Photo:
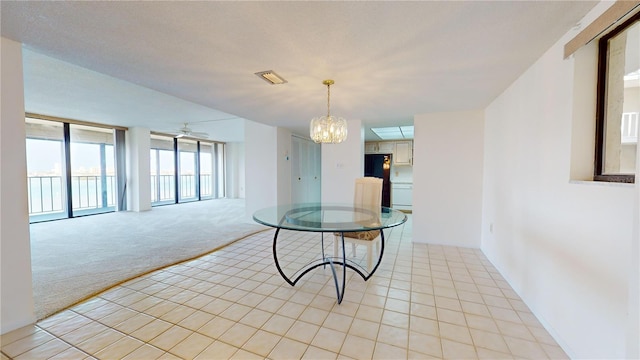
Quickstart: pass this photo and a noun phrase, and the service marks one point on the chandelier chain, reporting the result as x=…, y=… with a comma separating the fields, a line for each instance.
x=328, y=100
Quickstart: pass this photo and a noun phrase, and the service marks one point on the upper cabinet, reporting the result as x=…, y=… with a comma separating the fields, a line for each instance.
x=371, y=148
x=402, y=150
x=379, y=147
x=403, y=154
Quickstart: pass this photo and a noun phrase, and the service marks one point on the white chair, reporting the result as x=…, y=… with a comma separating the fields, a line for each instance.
x=368, y=195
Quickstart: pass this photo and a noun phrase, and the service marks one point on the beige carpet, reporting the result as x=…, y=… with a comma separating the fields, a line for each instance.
x=74, y=259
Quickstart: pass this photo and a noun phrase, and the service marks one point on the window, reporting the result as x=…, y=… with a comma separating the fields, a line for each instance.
x=618, y=103
x=184, y=170
x=163, y=171
x=206, y=170
x=187, y=166
x=46, y=183
x=72, y=169
x=93, y=181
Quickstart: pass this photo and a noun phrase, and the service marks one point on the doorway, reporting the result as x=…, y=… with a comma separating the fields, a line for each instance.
x=379, y=166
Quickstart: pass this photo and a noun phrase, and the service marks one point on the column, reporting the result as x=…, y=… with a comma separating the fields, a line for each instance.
x=138, y=169
x=16, y=294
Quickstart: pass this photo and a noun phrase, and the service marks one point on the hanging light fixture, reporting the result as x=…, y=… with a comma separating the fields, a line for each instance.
x=328, y=129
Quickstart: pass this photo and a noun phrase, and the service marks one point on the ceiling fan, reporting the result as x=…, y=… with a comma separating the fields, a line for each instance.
x=186, y=131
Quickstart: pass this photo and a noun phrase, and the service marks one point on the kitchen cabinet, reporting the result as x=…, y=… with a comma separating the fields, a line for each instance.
x=371, y=148
x=379, y=147
x=403, y=154
x=386, y=147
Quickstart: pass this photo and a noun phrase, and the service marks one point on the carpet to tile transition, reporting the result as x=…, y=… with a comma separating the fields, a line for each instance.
x=74, y=259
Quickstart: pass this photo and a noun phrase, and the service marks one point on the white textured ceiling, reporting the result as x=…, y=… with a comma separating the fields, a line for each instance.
x=159, y=64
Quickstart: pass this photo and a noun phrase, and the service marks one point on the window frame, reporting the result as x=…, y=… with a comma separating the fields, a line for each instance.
x=601, y=102
x=68, y=210
x=218, y=156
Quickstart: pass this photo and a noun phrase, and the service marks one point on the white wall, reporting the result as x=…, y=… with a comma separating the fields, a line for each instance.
x=401, y=173
x=138, y=169
x=564, y=246
x=16, y=294
x=260, y=167
x=230, y=130
x=342, y=164
x=447, y=178
x=633, y=320
x=235, y=176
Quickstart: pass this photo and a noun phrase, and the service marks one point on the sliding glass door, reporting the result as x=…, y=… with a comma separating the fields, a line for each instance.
x=46, y=183
x=163, y=182
x=93, y=182
x=187, y=169
x=184, y=170
x=71, y=169
x=206, y=170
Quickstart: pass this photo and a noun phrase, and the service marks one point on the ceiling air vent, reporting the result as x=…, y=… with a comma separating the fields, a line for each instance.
x=271, y=77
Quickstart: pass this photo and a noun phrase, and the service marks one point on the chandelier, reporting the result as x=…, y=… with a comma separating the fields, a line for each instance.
x=328, y=129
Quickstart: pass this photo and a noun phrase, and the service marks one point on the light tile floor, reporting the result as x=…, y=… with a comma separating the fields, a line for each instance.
x=425, y=301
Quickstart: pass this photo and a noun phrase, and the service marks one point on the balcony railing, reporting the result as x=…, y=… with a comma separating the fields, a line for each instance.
x=206, y=185
x=162, y=187
x=187, y=187
x=46, y=193
x=92, y=192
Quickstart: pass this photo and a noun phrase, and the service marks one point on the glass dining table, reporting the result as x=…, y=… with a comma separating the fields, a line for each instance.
x=296, y=255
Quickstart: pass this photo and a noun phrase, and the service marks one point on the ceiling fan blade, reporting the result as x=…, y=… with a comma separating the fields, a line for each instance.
x=185, y=131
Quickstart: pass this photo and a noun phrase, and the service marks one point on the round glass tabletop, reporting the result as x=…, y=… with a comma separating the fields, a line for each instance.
x=322, y=217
